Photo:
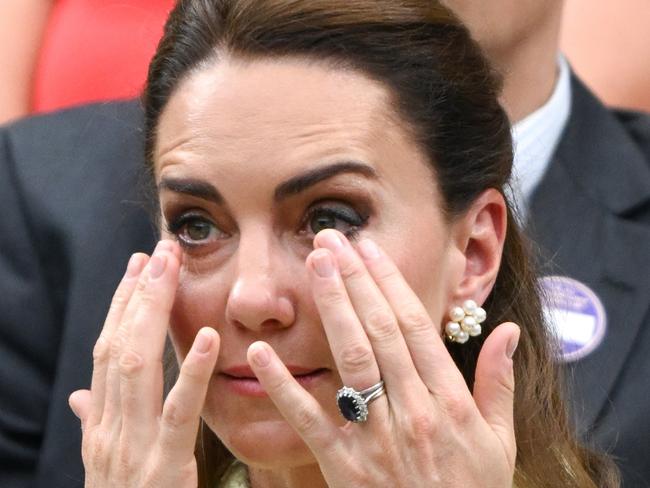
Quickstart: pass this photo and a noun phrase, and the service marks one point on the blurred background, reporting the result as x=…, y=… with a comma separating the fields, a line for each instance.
x=61, y=53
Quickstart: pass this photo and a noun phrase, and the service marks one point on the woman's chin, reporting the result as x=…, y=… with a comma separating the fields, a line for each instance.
x=270, y=444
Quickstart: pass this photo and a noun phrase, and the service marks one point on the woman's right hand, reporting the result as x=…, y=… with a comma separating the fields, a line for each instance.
x=130, y=438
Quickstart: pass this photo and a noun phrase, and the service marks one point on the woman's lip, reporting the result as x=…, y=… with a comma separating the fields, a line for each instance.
x=245, y=371
x=249, y=385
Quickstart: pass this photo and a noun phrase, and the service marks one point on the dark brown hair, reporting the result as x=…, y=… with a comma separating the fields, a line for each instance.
x=446, y=94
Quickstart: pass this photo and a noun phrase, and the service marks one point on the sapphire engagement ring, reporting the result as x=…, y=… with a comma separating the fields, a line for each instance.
x=353, y=404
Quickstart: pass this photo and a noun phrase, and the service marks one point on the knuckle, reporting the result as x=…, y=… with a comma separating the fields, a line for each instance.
x=141, y=285
x=280, y=383
x=381, y=324
x=414, y=319
x=458, y=409
x=351, y=270
x=387, y=273
x=115, y=347
x=501, y=383
x=334, y=297
x=148, y=300
x=174, y=416
x=305, y=419
x=192, y=371
x=101, y=350
x=120, y=300
x=130, y=364
x=356, y=358
x=421, y=427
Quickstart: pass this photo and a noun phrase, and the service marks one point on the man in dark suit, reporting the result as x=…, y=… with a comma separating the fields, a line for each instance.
x=73, y=210
x=582, y=182
x=72, y=213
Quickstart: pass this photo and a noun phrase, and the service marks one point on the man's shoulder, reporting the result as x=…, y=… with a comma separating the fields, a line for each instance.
x=604, y=154
x=596, y=125
x=637, y=125
x=82, y=133
x=72, y=166
x=120, y=115
x=87, y=145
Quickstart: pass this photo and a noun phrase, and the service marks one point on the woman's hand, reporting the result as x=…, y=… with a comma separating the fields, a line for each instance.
x=427, y=430
x=130, y=439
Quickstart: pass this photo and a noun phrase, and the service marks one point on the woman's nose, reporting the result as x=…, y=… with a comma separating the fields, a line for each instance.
x=261, y=296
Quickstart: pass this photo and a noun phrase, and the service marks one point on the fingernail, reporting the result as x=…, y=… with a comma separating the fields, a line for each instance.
x=512, y=346
x=260, y=355
x=135, y=266
x=157, y=265
x=368, y=249
x=323, y=264
x=203, y=341
x=331, y=240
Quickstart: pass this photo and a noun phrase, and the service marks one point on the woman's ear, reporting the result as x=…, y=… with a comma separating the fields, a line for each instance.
x=479, y=236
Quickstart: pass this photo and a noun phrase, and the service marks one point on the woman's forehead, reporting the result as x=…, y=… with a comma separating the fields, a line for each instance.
x=275, y=117
x=237, y=103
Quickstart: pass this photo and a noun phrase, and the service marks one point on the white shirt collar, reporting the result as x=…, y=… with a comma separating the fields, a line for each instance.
x=535, y=139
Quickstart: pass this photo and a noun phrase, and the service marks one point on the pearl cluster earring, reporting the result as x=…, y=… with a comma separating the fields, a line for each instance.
x=464, y=322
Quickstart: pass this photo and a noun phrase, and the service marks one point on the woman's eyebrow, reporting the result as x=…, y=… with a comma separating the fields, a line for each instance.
x=193, y=187
x=303, y=181
x=206, y=191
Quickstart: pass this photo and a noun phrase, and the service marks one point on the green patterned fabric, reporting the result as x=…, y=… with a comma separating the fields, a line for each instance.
x=235, y=477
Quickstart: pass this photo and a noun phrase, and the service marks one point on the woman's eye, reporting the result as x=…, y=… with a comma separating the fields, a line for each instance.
x=197, y=230
x=340, y=217
x=193, y=230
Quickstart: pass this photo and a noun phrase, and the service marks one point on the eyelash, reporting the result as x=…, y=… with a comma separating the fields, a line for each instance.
x=336, y=210
x=340, y=211
x=175, y=226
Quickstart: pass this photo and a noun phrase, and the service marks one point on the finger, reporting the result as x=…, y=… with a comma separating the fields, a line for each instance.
x=155, y=296
x=494, y=384
x=351, y=349
x=182, y=409
x=430, y=356
x=101, y=351
x=140, y=361
x=80, y=402
x=377, y=317
x=112, y=402
x=297, y=406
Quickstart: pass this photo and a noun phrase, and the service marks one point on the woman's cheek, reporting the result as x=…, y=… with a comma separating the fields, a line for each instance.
x=424, y=269
x=200, y=302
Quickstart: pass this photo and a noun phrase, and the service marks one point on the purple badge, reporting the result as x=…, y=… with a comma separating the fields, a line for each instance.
x=576, y=315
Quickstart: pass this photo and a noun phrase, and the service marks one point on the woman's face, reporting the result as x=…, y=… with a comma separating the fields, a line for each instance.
x=252, y=160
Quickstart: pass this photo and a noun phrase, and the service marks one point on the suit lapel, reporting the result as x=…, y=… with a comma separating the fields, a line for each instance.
x=597, y=176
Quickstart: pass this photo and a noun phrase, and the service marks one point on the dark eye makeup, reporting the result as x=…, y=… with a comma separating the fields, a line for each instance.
x=194, y=229
x=334, y=215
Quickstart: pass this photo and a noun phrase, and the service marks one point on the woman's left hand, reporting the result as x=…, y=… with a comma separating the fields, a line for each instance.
x=427, y=430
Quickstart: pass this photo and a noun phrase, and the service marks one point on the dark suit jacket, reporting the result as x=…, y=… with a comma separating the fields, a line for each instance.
x=71, y=215
x=591, y=217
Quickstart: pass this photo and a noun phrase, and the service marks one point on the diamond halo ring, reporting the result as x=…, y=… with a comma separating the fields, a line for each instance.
x=353, y=404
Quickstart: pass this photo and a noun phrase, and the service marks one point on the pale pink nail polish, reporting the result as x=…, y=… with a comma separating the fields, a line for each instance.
x=260, y=355
x=202, y=342
x=157, y=265
x=134, y=267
